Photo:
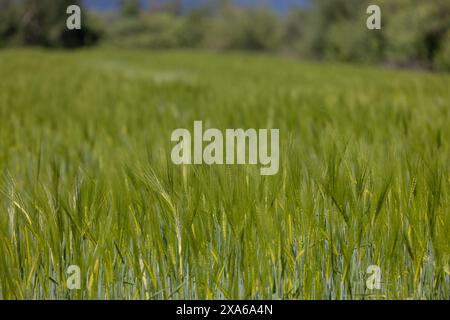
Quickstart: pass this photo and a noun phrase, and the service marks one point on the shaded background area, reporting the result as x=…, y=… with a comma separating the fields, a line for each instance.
x=414, y=33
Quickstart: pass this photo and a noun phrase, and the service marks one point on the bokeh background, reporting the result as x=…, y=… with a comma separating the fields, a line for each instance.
x=415, y=33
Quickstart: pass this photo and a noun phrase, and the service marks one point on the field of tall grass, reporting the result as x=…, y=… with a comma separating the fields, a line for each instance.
x=86, y=178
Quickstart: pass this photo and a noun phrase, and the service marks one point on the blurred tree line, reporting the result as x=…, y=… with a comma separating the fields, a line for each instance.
x=43, y=22
x=415, y=33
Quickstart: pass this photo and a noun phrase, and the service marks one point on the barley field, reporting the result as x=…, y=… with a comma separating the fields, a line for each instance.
x=86, y=178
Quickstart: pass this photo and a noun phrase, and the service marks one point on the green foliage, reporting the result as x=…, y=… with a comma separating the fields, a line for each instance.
x=336, y=30
x=415, y=30
x=323, y=17
x=148, y=31
x=191, y=33
x=413, y=33
x=8, y=21
x=347, y=41
x=442, y=60
x=249, y=29
x=86, y=178
x=130, y=8
x=43, y=22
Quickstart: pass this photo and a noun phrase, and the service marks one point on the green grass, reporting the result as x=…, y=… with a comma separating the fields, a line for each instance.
x=86, y=178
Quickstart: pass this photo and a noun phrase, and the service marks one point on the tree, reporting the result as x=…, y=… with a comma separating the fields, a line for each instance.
x=130, y=8
x=416, y=30
x=323, y=18
x=8, y=21
x=245, y=29
x=43, y=22
x=442, y=59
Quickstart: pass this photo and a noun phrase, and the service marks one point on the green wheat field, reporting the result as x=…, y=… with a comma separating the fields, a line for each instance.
x=86, y=178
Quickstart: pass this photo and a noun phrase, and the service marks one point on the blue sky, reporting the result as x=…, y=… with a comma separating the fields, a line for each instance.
x=279, y=5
